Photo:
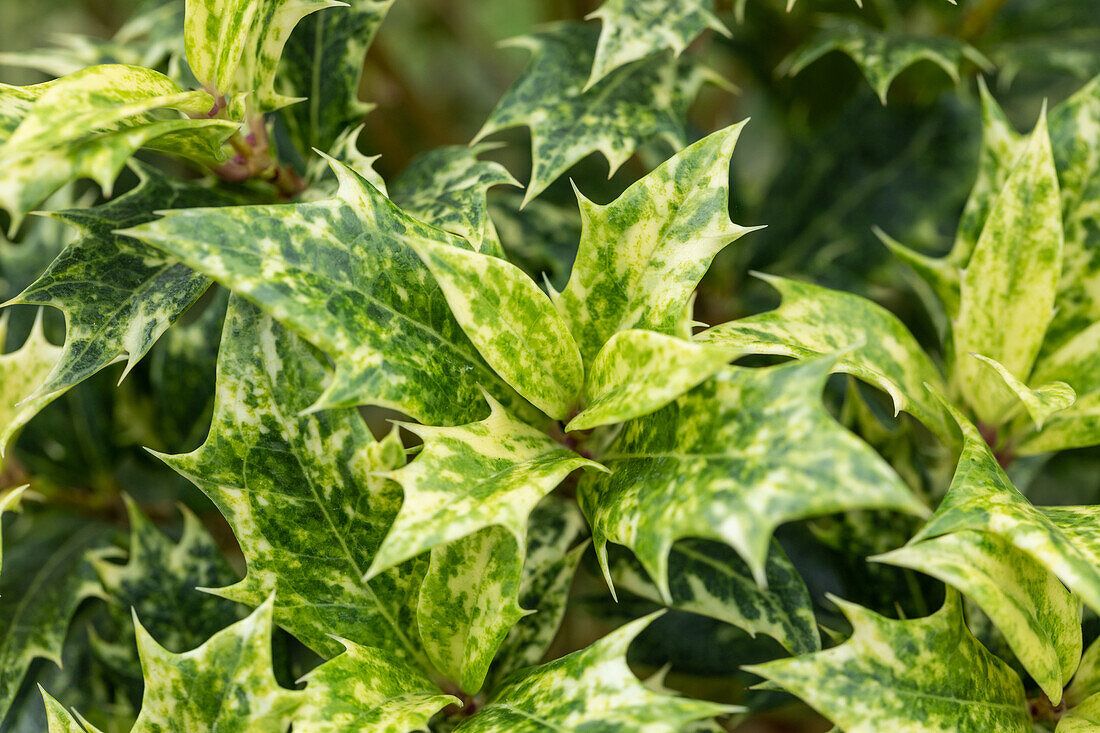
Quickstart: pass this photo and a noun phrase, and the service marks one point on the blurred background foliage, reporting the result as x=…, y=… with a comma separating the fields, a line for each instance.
x=822, y=163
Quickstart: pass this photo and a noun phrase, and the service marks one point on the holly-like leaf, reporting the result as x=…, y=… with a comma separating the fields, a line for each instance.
x=1083, y=718
x=731, y=460
x=227, y=684
x=446, y=188
x=1038, y=616
x=873, y=344
x=513, y=324
x=61, y=720
x=89, y=123
x=488, y=473
x=21, y=373
x=925, y=674
x=365, y=690
x=708, y=578
x=342, y=275
x=323, y=62
x=642, y=255
x=1009, y=284
x=637, y=372
x=300, y=492
x=634, y=30
x=234, y=46
x=1041, y=402
x=630, y=106
x=882, y=55
x=592, y=689
x=469, y=601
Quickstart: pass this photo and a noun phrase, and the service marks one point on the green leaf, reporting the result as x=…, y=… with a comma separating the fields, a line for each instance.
x=341, y=274
x=927, y=674
x=366, y=690
x=634, y=30
x=1086, y=682
x=466, y=478
x=234, y=46
x=514, y=325
x=632, y=105
x=1008, y=286
x=871, y=343
x=227, y=684
x=1039, y=618
x=21, y=373
x=61, y=720
x=118, y=295
x=591, y=689
x=1083, y=718
x=709, y=579
x=1041, y=402
x=446, y=187
x=469, y=601
x=9, y=502
x=642, y=255
x=301, y=494
x=637, y=372
x=1076, y=363
x=323, y=62
x=89, y=123
x=731, y=460
x=882, y=55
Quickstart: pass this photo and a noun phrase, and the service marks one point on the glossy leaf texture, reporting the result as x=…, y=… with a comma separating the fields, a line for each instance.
x=22, y=373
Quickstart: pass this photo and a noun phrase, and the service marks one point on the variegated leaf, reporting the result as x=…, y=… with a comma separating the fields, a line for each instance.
x=637, y=372
x=1041, y=402
x=1076, y=363
x=341, y=274
x=1009, y=284
x=61, y=720
x=925, y=674
x=22, y=372
x=632, y=105
x=731, y=460
x=634, y=30
x=234, y=46
x=446, y=188
x=513, y=324
x=365, y=690
x=466, y=478
x=89, y=123
x=9, y=502
x=591, y=689
x=321, y=179
x=1084, y=718
x=881, y=55
x=227, y=684
x=469, y=601
x=1038, y=617
x=708, y=578
x=642, y=255
x=1086, y=682
x=301, y=494
x=323, y=62
x=870, y=341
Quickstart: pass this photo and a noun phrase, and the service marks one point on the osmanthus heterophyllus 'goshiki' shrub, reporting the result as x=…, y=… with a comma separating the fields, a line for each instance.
x=429, y=570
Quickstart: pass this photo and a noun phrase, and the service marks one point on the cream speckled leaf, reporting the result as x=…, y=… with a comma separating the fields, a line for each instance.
x=1076, y=363
x=301, y=494
x=321, y=178
x=61, y=720
x=9, y=502
x=1008, y=286
x=513, y=324
x=709, y=578
x=234, y=46
x=483, y=474
x=366, y=691
x=1086, y=682
x=881, y=56
x=874, y=344
x=634, y=29
x=632, y=105
x=469, y=601
x=731, y=460
x=227, y=684
x=1041, y=402
x=89, y=123
x=22, y=372
x=925, y=675
x=1084, y=718
x=1038, y=616
x=341, y=274
x=591, y=689
x=446, y=188
x=642, y=255
x=637, y=372
x=16, y=103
